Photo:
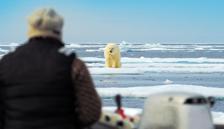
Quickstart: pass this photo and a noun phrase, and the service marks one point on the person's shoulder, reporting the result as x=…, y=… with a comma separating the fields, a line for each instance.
x=78, y=62
x=6, y=56
x=66, y=51
x=12, y=51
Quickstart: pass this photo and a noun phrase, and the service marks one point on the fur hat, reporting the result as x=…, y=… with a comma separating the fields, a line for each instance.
x=45, y=22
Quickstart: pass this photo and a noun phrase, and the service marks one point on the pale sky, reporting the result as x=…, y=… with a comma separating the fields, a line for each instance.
x=165, y=21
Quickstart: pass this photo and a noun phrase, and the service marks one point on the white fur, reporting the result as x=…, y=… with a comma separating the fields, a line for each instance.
x=112, y=56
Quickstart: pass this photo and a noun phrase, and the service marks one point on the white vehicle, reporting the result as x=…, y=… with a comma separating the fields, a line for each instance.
x=168, y=110
x=177, y=110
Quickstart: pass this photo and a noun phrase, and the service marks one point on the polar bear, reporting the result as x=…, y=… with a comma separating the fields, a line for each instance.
x=112, y=56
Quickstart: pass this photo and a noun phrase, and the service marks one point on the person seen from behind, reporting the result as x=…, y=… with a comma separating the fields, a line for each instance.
x=44, y=86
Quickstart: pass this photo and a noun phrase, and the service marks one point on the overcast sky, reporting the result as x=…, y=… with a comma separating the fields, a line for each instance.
x=178, y=21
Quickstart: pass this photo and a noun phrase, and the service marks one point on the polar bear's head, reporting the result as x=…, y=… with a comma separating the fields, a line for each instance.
x=112, y=49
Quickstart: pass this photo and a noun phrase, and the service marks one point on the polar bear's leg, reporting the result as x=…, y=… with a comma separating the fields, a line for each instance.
x=108, y=62
x=118, y=65
x=118, y=62
x=114, y=65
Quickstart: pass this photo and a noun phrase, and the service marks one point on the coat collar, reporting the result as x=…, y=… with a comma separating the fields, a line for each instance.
x=47, y=40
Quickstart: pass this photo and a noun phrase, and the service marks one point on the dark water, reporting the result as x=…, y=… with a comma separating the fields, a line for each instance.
x=150, y=79
x=130, y=50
